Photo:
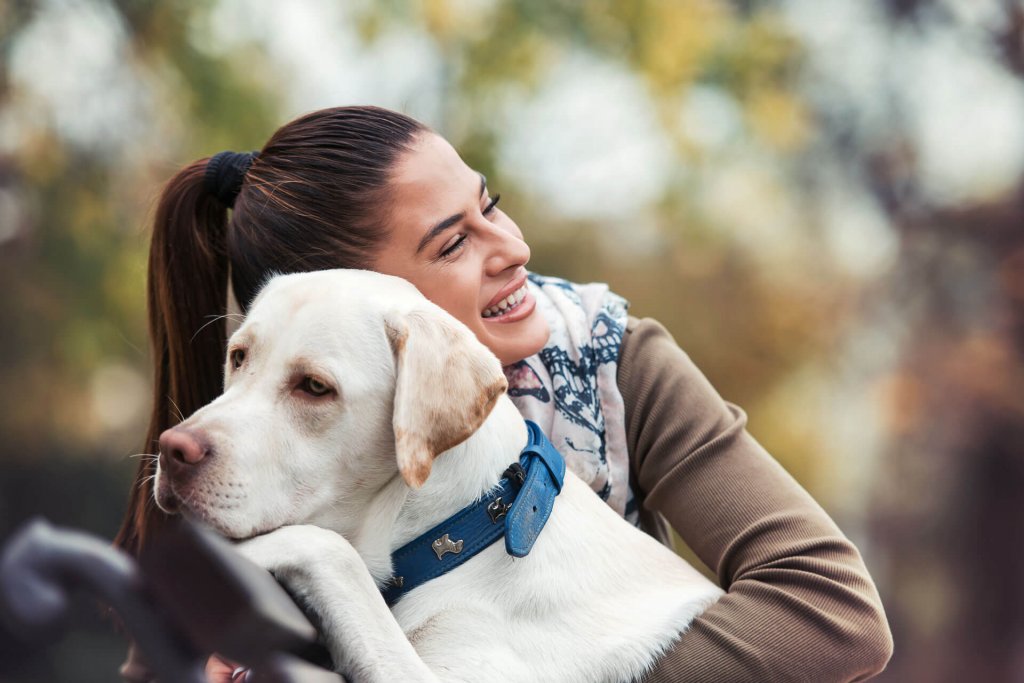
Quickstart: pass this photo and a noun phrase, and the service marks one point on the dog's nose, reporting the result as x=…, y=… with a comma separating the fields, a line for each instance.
x=181, y=448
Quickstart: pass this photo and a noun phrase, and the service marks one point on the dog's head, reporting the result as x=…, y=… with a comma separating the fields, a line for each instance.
x=336, y=383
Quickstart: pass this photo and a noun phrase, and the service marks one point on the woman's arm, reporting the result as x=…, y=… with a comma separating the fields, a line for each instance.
x=800, y=605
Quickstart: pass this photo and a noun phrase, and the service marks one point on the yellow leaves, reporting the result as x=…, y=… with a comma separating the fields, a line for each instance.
x=123, y=281
x=439, y=19
x=454, y=20
x=675, y=39
x=368, y=25
x=41, y=157
x=778, y=118
x=767, y=45
x=670, y=44
x=787, y=421
x=759, y=64
x=90, y=223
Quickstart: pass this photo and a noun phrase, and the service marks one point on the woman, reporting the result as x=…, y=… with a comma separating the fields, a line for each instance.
x=362, y=187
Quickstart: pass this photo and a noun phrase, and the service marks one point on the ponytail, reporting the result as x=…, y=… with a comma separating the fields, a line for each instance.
x=186, y=296
x=314, y=199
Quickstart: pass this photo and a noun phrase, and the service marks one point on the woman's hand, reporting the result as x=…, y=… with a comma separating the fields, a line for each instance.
x=222, y=671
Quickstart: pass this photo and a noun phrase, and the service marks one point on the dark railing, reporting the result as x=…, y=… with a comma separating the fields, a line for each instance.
x=188, y=596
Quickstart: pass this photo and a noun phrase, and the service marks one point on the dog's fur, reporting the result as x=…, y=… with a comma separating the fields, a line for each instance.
x=326, y=488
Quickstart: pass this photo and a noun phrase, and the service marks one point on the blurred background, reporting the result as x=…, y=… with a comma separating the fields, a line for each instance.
x=824, y=202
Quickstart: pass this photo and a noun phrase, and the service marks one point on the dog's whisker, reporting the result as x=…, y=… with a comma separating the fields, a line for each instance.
x=207, y=324
x=181, y=417
x=145, y=481
x=144, y=455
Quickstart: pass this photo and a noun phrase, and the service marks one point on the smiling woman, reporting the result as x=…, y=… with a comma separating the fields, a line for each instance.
x=470, y=263
x=362, y=187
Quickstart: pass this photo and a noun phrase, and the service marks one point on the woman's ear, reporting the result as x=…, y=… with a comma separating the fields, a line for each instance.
x=446, y=384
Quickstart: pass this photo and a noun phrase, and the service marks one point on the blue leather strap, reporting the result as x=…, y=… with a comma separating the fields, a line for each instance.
x=517, y=509
x=545, y=471
x=469, y=531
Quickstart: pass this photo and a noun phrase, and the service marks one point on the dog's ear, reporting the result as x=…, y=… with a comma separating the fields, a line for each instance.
x=447, y=383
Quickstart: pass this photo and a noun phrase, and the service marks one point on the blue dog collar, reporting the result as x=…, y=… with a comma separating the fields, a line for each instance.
x=523, y=499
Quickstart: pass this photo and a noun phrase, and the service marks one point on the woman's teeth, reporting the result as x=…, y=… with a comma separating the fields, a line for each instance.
x=506, y=304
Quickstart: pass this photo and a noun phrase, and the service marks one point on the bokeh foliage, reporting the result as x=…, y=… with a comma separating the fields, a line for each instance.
x=892, y=390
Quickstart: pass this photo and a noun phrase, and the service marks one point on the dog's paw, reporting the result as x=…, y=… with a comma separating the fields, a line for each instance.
x=325, y=575
x=295, y=547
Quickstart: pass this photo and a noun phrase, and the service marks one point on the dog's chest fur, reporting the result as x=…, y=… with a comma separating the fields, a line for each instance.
x=595, y=600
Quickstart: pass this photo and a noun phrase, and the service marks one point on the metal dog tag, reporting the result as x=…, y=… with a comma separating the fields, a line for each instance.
x=497, y=509
x=445, y=545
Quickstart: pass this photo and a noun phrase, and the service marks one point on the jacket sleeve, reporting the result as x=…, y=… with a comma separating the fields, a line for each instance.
x=800, y=604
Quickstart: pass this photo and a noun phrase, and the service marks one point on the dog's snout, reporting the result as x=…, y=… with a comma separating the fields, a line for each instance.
x=181, y=448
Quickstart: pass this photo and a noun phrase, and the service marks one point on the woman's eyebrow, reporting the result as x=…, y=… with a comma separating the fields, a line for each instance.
x=450, y=221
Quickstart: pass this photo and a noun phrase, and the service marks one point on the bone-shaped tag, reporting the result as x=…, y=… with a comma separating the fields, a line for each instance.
x=446, y=545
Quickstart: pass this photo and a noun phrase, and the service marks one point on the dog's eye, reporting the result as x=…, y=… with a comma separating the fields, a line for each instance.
x=314, y=387
x=237, y=358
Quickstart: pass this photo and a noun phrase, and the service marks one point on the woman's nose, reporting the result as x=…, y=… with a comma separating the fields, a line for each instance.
x=507, y=249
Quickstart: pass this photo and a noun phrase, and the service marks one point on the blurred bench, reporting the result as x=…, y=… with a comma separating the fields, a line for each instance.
x=188, y=595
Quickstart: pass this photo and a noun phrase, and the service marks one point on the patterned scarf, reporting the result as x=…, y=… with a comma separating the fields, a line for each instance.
x=570, y=389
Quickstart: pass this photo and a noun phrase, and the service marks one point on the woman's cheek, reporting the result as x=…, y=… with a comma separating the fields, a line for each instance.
x=461, y=308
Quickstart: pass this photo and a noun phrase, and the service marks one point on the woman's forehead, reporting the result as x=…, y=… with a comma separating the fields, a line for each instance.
x=430, y=183
x=430, y=169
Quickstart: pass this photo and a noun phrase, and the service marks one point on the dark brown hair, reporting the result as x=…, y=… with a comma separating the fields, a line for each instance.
x=313, y=200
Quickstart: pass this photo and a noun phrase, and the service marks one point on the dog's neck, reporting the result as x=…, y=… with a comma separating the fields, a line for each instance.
x=459, y=477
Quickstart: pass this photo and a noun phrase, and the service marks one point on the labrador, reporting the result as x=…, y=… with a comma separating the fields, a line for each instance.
x=358, y=417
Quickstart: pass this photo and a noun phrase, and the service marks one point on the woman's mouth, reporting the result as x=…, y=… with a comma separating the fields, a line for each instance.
x=507, y=305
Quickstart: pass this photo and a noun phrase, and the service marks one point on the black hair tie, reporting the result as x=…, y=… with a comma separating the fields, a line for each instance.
x=224, y=174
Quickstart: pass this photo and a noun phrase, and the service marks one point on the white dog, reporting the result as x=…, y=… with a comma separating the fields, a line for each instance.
x=356, y=416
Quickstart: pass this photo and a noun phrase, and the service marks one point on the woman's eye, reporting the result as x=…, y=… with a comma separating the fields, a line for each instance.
x=458, y=244
x=492, y=204
x=237, y=358
x=314, y=387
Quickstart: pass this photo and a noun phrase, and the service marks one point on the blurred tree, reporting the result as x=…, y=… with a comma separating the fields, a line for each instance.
x=77, y=264
x=947, y=514
x=102, y=100
x=705, y=282
x=74, y=261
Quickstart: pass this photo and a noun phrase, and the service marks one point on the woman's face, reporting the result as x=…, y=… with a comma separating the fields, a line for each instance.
x=448, y=238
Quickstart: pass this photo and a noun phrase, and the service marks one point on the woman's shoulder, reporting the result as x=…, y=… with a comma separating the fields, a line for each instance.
x=645, y=327
x=658, y=379
x=648, y=347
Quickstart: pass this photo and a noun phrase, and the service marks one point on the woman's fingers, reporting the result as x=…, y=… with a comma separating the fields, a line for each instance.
x=222, y=671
